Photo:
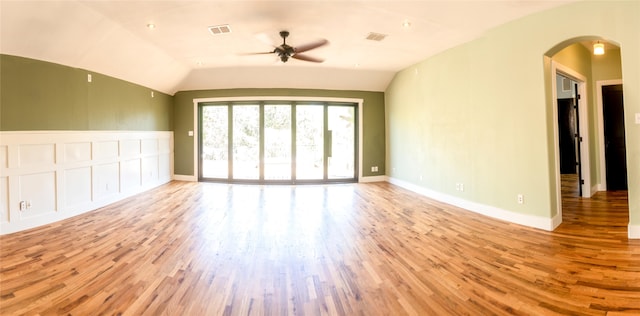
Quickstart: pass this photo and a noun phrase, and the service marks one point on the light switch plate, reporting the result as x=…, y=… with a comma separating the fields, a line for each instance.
x=637, y=118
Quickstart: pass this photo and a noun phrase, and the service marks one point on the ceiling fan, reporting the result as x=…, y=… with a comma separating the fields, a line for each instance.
x=285, y=51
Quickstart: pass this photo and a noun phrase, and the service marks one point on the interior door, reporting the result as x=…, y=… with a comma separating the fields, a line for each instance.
x=566, y=134
x=614, y=137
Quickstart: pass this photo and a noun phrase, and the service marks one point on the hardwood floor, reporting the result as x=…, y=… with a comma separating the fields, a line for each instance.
x=357, y=249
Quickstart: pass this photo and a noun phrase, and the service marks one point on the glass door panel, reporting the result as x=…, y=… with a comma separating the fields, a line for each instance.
x=246, y=142
x=309, y=142
x=215, y=142
x=341, y=157
x=277, y=142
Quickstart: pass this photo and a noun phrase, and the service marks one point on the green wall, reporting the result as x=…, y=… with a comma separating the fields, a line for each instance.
x=373, y=137
x=479, y=113
x=38, y=95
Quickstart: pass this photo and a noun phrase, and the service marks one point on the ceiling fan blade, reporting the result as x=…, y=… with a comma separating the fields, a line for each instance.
x=264, y=38
x=261, y=53
x=310, y=46
x=307, y=58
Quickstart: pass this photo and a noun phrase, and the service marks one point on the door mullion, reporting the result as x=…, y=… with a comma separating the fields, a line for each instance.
x=293, y=142
x=261, y=141
x=325, y=141
x=230, y=141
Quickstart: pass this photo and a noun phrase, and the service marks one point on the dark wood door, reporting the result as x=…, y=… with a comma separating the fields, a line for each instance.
x=614, y=137
x=566, y=133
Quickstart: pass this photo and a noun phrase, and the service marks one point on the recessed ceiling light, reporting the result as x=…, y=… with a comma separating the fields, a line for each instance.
x=151, y=26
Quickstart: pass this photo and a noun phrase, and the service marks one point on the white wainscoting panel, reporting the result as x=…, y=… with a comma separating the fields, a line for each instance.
x=77, y=152
x=149, y=169
x=4, y=200
x=130, y=175
x=3, y=157
x=39, y=192
x=37, y=155
x=48, y=176
x=130, y=148
x=106, y=181
x=149, y=146
x=77, y=186
x=105, y=150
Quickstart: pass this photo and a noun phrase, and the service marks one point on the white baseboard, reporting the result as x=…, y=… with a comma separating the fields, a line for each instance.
x=634, y=231
x=373, y=179
x=522, y=219
x=556, y=221
x=181, y=177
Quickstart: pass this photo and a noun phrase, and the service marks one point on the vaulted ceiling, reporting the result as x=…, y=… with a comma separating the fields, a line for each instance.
x=180, y=53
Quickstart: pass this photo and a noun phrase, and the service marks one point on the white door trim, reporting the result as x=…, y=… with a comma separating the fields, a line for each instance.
x=600, y=108
x=558, y=68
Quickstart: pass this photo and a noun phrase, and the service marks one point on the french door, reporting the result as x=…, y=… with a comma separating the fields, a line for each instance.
x=277, y=142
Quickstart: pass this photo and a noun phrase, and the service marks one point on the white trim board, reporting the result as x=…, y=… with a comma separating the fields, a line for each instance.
x=372, y=179
x=180, y=177
x=548, y=224
x=634, y=231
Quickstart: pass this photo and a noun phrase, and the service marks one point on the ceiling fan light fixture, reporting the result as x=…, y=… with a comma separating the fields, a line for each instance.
x=598, y=48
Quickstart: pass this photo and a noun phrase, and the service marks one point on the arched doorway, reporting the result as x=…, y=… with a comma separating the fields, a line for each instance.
x=572, y=66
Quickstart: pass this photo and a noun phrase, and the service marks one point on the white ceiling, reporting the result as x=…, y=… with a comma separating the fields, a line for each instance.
x=112, y=37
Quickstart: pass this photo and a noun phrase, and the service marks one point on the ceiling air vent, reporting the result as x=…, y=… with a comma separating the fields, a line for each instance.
x=373, y=36
x=220, y=29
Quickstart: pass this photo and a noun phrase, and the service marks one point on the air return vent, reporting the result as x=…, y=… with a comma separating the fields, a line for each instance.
x=376, y=36
x=220, y=29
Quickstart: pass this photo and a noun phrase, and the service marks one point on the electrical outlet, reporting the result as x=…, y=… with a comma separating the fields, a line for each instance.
x=374, y=169
x=520, y=199
x=23, y=205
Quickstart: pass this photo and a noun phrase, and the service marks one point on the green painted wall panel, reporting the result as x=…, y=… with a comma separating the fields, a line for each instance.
x=38, y=95
x=480, y=114
x=373, y=122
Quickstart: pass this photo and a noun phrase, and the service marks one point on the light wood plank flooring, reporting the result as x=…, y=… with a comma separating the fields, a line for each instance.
x=357, y=249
